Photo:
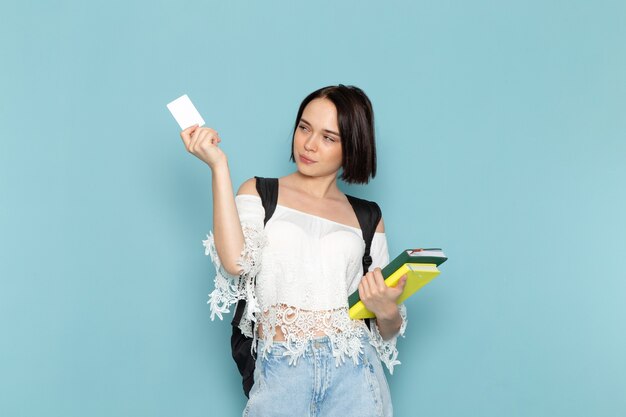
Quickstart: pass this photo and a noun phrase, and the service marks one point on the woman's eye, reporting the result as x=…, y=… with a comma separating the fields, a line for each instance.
x=329, y=139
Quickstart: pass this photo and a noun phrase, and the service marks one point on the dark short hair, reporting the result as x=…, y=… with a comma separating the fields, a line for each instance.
x=356, y=127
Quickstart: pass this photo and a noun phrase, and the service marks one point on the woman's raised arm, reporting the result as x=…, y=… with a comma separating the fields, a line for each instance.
x=229, y=240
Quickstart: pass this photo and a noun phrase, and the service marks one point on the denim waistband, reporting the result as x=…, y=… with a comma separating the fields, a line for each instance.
x=323, y=343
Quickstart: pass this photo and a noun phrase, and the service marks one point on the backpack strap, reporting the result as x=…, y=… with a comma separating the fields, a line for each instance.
x=369, y=214
x=268, y=191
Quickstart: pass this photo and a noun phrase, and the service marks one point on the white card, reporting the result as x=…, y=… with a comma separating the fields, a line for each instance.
x=185, y=112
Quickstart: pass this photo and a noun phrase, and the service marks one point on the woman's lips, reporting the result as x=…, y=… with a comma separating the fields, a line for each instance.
x=305, y=160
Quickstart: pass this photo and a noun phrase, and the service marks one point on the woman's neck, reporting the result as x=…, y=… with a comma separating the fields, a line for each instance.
x=317, y=187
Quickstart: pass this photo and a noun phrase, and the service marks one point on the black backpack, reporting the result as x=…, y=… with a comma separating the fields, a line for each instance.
x=369, y=215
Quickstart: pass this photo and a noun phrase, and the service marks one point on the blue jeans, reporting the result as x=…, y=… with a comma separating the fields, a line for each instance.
x=315, y=387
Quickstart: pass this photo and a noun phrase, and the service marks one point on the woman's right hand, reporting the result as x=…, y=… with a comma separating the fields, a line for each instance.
x=202, y=142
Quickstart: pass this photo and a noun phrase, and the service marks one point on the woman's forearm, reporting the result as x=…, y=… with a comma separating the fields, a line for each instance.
x=227, y=230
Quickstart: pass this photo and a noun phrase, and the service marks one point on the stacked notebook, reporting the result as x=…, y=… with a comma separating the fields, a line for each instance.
x=420, y=266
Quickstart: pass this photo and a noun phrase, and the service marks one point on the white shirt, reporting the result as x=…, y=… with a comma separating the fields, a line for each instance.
x=305, y=266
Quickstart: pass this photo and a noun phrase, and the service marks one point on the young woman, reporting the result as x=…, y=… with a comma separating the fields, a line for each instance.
x=312, y=358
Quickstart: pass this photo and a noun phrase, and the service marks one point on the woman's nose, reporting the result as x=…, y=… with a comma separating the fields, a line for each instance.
x=310, y=144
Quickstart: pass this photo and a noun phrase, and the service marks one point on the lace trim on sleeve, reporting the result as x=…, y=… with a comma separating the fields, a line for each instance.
x=231, y=288
x=387, y=351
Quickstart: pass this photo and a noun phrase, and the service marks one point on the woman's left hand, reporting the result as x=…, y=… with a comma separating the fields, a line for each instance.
x=378, y=297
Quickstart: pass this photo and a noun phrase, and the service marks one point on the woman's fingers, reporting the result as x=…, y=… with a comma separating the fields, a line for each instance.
x=204, y=135
x=375, y=285
x=379, y=281
x=402, y=283
x=372, y=284
x=202, y=142
x=185, y=135
x=194, y=139
x=366, y=288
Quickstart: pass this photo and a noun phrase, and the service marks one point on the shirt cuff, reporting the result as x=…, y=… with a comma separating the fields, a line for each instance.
x=386, y=349
x=231, y=288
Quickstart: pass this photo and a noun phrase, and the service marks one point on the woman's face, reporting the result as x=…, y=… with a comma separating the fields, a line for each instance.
x=317, y=144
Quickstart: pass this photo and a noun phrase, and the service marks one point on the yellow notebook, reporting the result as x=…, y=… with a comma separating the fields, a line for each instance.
x=418, y=275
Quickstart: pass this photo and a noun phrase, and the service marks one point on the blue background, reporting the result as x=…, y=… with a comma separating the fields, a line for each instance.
x=501, y=136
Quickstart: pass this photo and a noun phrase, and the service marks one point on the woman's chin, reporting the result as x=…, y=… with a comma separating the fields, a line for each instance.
x=307, y=171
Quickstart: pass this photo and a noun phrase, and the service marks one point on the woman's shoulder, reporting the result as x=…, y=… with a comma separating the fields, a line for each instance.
x=380, y=227
x=248, y=187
